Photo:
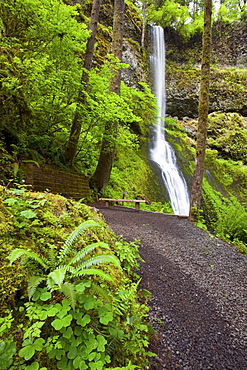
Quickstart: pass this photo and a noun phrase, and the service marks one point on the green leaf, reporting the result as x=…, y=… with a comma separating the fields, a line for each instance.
x=58, y=275
x=19, y=252
x=68, y=333
x=101, y=343
x=83, y=321
x=83, y=365
x=33, y=366
x=91, y=356
x=61, y=323
x=89, y=302
x=106, y=318
x=69, y=292
x=76, y=361
x=72, y=353
x=96, y=365
x=10, y=201
x=52, y=311
x=38, y=344
x=73, y=237
x=96, y=272
x=33, y=283
x=67, y=320
x=28, y=214
x=57, y=324
x=62, y=364
x=86, y=250
x=80, y=288
x=27, y=352
x=78, y=331
x=99, y=259
x=7, y=351
x=45, y=296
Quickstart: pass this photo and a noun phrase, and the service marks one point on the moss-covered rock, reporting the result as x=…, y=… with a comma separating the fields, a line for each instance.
x=54, y=218
x=228, y=92
x=64, y=303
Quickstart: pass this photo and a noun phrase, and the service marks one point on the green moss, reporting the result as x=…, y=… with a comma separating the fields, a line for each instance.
x=55, y=218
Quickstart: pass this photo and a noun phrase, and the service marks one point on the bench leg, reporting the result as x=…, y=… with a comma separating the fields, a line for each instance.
x=137, y=206
x=107, y=204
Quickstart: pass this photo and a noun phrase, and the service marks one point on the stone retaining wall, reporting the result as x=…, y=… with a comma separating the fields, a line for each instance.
x=57, y=180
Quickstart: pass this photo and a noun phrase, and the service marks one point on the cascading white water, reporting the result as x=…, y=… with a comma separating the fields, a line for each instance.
x=162, y=153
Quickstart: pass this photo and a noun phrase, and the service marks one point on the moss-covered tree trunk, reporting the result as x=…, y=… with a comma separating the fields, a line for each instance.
x=102, y=173
x=196, y=192
x=75, y=130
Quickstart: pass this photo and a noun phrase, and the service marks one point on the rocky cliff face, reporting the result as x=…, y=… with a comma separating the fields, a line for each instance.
x=228, y=91
x=228, y=86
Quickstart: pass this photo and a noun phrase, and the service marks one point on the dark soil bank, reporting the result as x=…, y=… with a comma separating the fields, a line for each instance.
x=199, y=291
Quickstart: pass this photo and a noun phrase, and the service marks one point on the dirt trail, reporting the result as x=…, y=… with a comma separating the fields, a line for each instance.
x=199, y=291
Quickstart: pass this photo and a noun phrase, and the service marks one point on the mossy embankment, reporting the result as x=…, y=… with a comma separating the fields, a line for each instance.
x=70, y=298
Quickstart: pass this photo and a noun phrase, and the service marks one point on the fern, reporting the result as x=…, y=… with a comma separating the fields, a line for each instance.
x=19, y=252
x=33, y=283
x=68, y=290
x=95, y=272
x=57, y=276
x=101, y=292
x=99, y=259
x=112, y=346
x=72, y=239
x=86, y=250
x=66, y=267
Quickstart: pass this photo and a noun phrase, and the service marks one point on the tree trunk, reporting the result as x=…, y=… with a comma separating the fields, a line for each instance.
x=196, y=192
x=75, y=130
x=144, y=20
x=102, y=173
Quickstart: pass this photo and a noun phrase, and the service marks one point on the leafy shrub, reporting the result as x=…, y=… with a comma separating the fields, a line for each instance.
x=226, y=217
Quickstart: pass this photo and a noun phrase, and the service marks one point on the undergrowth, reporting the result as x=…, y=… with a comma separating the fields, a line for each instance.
x=225, y=217
x=70, y=299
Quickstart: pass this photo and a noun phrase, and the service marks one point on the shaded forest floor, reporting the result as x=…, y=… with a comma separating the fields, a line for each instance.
x=199, y=291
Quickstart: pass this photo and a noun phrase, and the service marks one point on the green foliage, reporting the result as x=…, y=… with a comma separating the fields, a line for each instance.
x=227, y=217
x=7, y=351
x=227, y=135
x=67, y=262
x=71, y=320
x=40, y=73
x=232, y=10
x=158, y=207
x=128, y=254
x=176, y=16
x=143, y=104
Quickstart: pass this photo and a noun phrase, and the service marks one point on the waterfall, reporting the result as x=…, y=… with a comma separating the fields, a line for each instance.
x=162, y=153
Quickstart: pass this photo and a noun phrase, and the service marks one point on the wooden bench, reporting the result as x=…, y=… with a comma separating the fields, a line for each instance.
x=136, y=201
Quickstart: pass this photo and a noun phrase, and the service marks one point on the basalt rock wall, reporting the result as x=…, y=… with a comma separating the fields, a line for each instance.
x=228, y=83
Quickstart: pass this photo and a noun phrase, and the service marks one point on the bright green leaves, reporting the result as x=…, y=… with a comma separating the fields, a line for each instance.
x=69, y=264
x=29, y=350
x=101, y=342
x=68, y=333
x=72, y=353
x=7, y=351
x=28, y=214
x=35, y=366
x=57, y=276
x=77, y=332
x=78, y=363
x=45, y=296
x=61, y=323
x=44, y=41
x=105, y=315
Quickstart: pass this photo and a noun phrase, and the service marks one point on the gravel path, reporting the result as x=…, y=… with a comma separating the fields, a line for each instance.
x=199, y=291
